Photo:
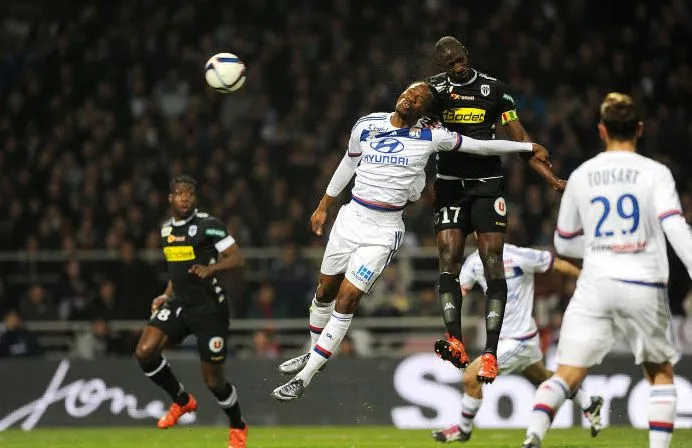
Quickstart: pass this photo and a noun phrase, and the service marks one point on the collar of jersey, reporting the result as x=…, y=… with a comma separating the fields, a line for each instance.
x=185, y=221
x=473, y=78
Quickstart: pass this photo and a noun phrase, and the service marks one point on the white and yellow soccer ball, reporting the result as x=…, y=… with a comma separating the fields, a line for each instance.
x=225, y=72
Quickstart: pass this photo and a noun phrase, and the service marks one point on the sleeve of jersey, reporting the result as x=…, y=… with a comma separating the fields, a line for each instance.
x=453, y=141
x=347, y=168
x=569, y=235
x=508, y=108
x=218, y=235
x=669, y=211
x=536, y=261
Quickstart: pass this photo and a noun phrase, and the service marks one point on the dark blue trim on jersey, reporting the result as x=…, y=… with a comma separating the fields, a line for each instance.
x=377, y=207
x=224, y=59
x=419, y=134
x=640, y=283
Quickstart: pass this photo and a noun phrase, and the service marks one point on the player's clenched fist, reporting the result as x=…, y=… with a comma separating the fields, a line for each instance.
x=542, y=154
x=201, y=271
x=157, y=302
x=317, y=220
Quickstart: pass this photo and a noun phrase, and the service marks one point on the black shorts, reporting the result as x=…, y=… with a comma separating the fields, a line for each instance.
x=208, y=324
x=470, y=205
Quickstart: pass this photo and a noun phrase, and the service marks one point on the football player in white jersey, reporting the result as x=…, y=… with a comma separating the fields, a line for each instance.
x=388, y=153
x=616, y=212
x=519, y=346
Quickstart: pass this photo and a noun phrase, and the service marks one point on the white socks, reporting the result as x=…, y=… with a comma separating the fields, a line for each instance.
x=319, y=316
x=583, y=400
x=327, y=343
x=469, y=408
x=662, y=401
x=551, y=394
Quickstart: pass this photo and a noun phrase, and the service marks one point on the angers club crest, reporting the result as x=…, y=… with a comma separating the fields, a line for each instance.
x=485, y=89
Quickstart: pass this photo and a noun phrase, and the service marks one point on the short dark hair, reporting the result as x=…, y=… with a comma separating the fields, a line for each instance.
x=449, y=44
x=183, y=179
x=619, y=116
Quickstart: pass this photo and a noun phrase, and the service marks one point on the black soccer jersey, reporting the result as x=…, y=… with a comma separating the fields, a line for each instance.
x=472, y=108
x=196, y=240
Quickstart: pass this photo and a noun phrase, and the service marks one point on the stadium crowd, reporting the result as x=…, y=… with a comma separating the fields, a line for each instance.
x=102, y=105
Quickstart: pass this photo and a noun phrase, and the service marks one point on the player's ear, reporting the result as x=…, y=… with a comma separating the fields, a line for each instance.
x=602, y=132
x=170, y=198
x=640, y=129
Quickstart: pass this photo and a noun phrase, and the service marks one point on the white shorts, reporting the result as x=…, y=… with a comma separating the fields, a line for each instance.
x=515, y=355
x=362, y=243
x=639, y=311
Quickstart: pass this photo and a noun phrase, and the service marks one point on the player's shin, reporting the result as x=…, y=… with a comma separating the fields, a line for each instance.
x=494, y=313
x=551, y=394
x=469, y=408
x=320, y=313
x=449, y=296
x=326, y=345
x=227, y=398
x=159, y=371
x=662, y=410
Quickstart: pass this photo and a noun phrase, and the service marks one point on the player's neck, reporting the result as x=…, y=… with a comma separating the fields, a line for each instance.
x=622, y=145
x=398, y=121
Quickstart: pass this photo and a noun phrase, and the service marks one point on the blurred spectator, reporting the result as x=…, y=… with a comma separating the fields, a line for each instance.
x=15, y=339
x=293, y=281
x=36, y=305
x=346, y=349
x=264, y=304
x=264, y=345
x=97, y=342
x=136, y=282
x=74, y=293
x=105, y=305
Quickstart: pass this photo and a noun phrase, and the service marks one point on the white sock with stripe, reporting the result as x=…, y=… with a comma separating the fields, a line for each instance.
x=469, y=408
x=551, y=394
x=328, y=342
x=662, y=410
x=319, y=316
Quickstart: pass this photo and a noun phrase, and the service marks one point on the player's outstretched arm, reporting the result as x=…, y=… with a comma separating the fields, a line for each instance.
x=669, y=212
x=565, y=267
x=319, y=216
x=229, y=258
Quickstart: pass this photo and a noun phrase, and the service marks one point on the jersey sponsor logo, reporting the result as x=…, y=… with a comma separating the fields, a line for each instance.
x=456, y=96
x=510, y=115
x=464, y=115
x=175, y=239
x=500, y=206
x=216, y=344
x=485, y=89
x=363, y=273
x=215, y=232
x=382, y=159
x=179, y=253
x=165, y=231
x=387, y=146
x=192, y=231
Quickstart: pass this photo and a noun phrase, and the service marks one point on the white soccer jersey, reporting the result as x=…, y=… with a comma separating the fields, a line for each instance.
x=612, y=215
x=391, y=161
x=520, y=266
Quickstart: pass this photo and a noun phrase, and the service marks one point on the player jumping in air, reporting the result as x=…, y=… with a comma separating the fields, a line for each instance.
x=469, y=196
x=616, y=213
x=388, y=153
x=196, y=246
x=519, y=347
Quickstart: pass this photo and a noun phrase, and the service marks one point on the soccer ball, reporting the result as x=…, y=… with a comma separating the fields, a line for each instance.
x=225, y=72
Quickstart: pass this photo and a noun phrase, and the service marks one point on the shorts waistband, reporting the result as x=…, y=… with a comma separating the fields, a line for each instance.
x=523, y=338
x=375, y=206
x=382, y=217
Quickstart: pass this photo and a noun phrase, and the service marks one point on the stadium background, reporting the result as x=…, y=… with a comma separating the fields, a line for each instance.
x=101, y=105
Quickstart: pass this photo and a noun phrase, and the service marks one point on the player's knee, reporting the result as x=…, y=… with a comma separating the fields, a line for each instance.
x=470, y=381
x=146, y=351
x=450, y=262
x=347, y=300
x=325, y=292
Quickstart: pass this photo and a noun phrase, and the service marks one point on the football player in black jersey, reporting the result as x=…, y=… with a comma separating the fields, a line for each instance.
x=469, y=196
x=196, y=246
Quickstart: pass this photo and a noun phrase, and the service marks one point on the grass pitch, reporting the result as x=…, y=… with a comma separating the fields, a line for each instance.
x=318, y=437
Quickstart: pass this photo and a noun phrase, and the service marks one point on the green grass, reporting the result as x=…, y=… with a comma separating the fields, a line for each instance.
x=316, y=437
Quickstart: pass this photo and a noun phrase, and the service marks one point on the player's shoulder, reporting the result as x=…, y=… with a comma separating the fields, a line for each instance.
x=166, y=227
x=371, y=119
x=484, y=78
x=205, y=219
x=439, y=81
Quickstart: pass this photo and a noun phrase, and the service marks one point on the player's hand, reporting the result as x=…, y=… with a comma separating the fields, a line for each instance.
x=201, y=271
x=542, y=154
x=317, y=220
x=559, y=185
x=158, y=302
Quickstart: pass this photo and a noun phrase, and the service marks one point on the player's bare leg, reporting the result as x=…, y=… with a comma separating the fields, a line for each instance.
x=320, y=312
x=347, y=300
x=148, y=353
x=551, y=394
x=450, y=245
x=490, y=249
x=662, y=403
x=470, y=403
x=590, y=405
x=227, y=397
